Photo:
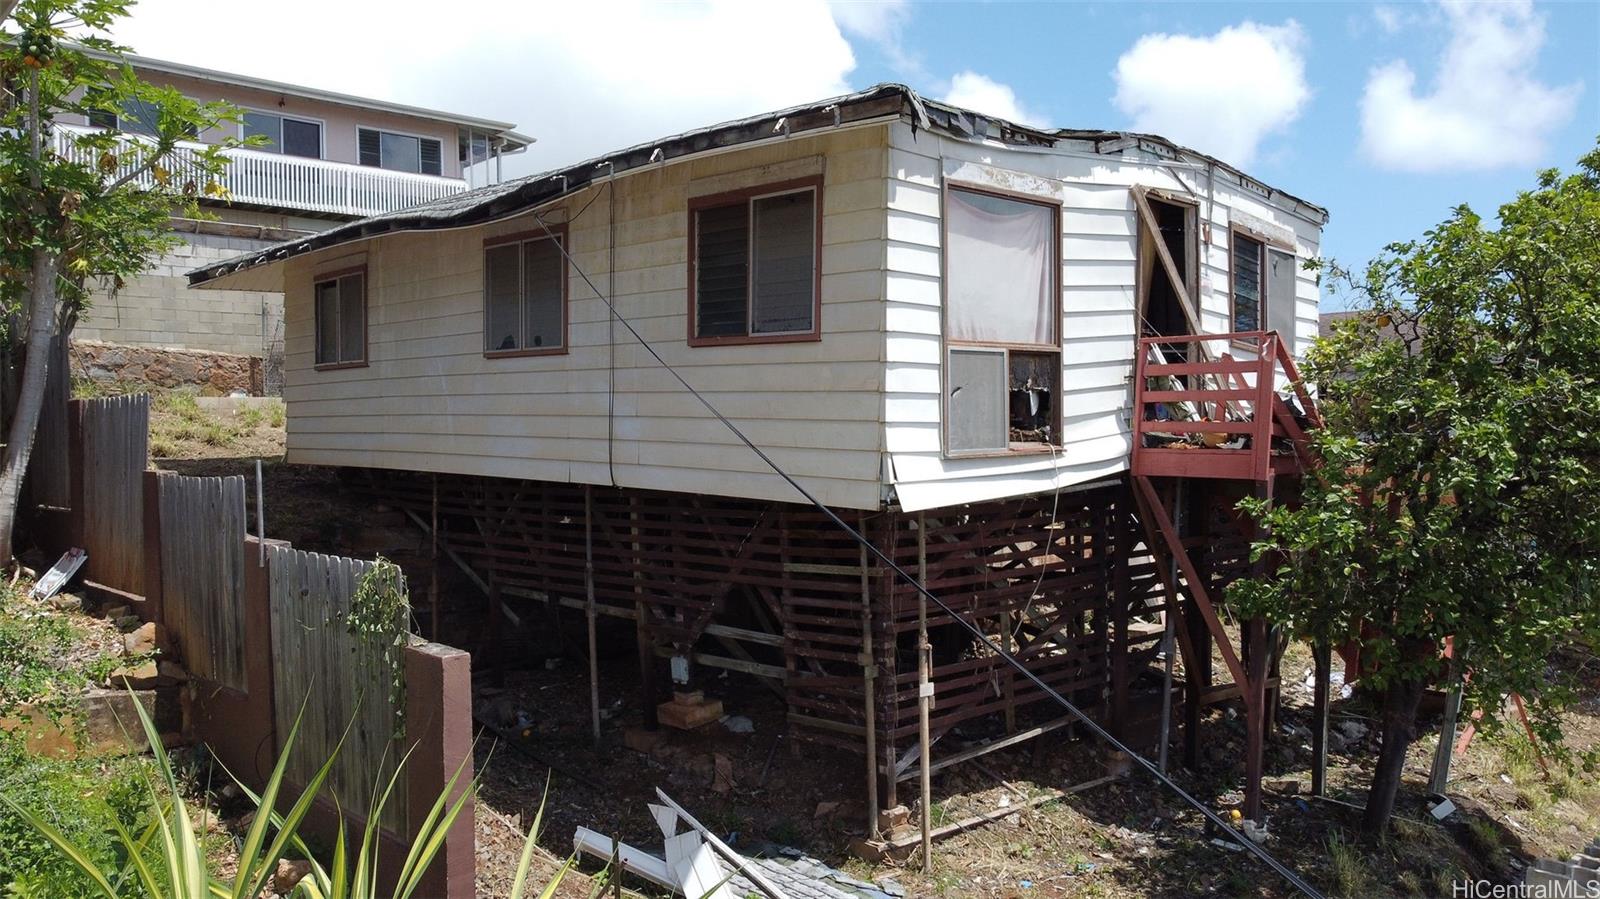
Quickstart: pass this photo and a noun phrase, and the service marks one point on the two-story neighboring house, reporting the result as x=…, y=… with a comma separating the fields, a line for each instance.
x=319, y=159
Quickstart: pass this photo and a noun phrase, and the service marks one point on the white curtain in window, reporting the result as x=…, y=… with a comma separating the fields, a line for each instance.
x=997, y=272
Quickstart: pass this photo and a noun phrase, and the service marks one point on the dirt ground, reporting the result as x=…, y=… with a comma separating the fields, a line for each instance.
x=1131, y=837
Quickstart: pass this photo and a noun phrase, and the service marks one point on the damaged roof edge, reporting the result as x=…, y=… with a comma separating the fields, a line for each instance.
x=487, y=204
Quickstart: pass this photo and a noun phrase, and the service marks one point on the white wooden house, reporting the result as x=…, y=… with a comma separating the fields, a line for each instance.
x=927, y=316
x=940, y=244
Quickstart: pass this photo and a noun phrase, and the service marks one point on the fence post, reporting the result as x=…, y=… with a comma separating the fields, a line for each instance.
x=439, y=722
x=75, y=521
x=151, y=610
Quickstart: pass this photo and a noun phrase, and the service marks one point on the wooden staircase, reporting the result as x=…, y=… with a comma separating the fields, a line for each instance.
x=1216, y=418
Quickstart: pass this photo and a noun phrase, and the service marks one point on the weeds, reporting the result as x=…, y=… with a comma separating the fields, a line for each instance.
x=1352, y=876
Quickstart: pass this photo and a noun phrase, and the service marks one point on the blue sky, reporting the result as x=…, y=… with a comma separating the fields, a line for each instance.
x=1388, y=113
x=1060, y=61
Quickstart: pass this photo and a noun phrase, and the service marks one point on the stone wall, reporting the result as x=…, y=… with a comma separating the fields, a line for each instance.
x=215, y=374
x=157, y=308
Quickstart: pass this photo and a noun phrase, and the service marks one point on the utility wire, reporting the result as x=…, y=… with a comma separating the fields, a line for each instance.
x=1250, y=845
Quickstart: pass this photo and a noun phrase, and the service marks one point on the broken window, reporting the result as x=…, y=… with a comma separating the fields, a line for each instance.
x=755, y=265
x=341, y=318
x=524, y=296
x=1002, y=322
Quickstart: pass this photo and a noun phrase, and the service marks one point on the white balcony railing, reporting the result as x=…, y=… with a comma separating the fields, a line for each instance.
x=277, y=181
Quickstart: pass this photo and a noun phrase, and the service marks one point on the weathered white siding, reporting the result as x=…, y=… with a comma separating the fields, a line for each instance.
x=430, y=401
x=1099, y=261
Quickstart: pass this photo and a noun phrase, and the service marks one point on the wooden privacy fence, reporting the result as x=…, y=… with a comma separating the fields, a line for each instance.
x=49, y=473
x=347, y=677
x=202, y=573
x=116, y=432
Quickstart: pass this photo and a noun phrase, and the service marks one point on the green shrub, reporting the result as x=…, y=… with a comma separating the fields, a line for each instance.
x=85, y=799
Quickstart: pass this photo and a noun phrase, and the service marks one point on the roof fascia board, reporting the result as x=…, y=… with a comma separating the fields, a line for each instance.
x=503, y=129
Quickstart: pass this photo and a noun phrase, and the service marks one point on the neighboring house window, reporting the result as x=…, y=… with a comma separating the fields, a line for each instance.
x=341, y=310
x=284, y=134
x=399, y=152
x=1002, y=323
x=136, y=117
x=755, y=264
x=525, y=296
x=1248, y=292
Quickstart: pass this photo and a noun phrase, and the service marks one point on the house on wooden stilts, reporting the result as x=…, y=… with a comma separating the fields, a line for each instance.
x=1035, y=367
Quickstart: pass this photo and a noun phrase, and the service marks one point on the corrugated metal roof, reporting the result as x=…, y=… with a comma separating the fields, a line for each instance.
x=498, y=201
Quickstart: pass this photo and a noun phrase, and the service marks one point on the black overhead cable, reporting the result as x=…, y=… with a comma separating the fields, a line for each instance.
x=1250, y=845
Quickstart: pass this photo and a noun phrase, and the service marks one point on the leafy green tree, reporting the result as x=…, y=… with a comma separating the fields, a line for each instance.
x=79, y=211
x=1459, y=494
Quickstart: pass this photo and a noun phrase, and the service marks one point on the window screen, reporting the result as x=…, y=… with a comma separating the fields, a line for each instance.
x=341, y=319
x=541, y=295
x=1246, y=283
x=975, y=404
x=783, y=271
x=302, y=138
x=502, y=297
x=999, y=282
x=1281, y=294
x=524, y=296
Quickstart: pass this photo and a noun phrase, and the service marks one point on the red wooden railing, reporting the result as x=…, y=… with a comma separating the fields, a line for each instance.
x=1226, y=398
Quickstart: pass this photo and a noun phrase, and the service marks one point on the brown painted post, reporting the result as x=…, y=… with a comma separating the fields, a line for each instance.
x=439, y=721
x=151, y=609
x=1255, y=706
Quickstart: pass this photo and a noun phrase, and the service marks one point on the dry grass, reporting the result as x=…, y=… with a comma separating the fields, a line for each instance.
x=181, y=429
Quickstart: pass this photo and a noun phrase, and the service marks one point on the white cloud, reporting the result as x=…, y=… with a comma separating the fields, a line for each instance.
x=1221, y=94
x=583, y=78
x=1389, y=18
x=1485, y=108
x=980, y=93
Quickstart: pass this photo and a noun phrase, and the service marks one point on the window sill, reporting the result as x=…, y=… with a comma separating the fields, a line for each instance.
x=336, y=366
x=744, y=340
x=513, y=354
x=1016, y=449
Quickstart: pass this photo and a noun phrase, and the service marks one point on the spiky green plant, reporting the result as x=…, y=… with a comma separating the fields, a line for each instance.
x=166, y=860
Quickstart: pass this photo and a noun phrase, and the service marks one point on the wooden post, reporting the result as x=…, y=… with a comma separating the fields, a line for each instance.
x=924, y=696
x=1439, y=777
x=1253, y=691
x=869, y=676
x=591, y=613
x=649, y=693
x=1322, y=665
x=1169, y=623
x=1198, y=677
x=433, y=585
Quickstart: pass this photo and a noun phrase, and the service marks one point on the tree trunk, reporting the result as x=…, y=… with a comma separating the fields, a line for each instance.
x=1400, y=702
x=30, y=397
